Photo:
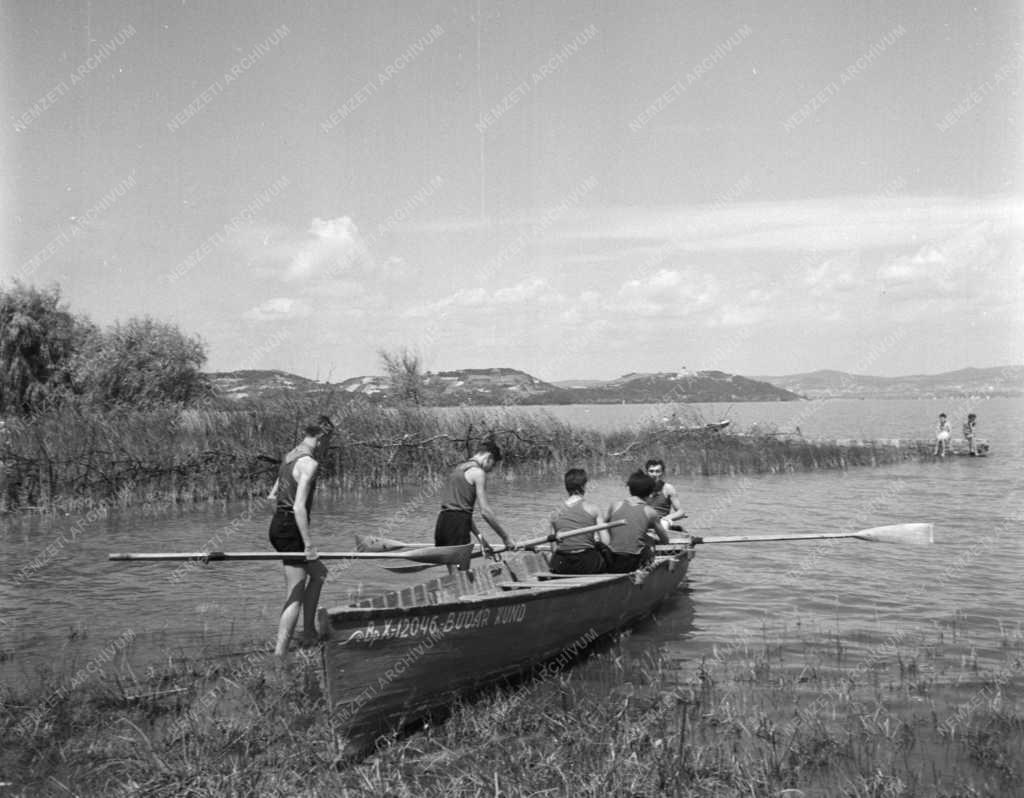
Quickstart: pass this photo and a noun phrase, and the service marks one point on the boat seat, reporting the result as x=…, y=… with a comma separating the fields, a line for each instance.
x=530, y=586
x=577, y=577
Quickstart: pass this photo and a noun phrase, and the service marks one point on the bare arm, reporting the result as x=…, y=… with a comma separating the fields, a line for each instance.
x=673, y=497
x=305, y=469
x=654, y=525
x=273, y=491
x=478, y=478
x=601, y=536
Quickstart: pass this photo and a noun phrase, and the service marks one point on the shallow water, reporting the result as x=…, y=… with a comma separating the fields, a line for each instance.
x=827, y=605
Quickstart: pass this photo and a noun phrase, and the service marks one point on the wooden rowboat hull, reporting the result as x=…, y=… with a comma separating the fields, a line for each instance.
x=386, y=666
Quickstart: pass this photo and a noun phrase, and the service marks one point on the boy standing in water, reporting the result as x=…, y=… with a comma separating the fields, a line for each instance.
x=969, y=434
x=304, y=574
x=942, y=433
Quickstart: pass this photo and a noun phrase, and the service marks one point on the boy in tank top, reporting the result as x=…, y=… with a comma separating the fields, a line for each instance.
x=578, y=554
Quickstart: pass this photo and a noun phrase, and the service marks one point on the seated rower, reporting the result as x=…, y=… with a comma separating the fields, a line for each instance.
x=578, y=554
x=664, y=498
x=631, y=545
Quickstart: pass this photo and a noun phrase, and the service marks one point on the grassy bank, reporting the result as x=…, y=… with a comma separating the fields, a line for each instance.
x=750, y=723
x=71, y=460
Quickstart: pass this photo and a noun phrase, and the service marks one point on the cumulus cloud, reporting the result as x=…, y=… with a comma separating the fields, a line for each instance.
x=944, y=267
x=331, y=246
x=278, y=309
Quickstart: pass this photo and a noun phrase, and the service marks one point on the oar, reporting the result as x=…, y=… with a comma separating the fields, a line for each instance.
x=434, y=555
x=374, y=543
x=370, y=541
x=912, y=534
x=377, y=543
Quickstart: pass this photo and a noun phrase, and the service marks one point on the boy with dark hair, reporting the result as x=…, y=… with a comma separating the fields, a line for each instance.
x=664, y=498
x=630, y=545
x=578, y=554
x=464, y=489
x=292, y=493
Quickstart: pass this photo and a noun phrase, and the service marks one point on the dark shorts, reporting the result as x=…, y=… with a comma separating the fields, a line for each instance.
x=619, y=563
x=588, y=561
x=285, y=535
x=453, y=528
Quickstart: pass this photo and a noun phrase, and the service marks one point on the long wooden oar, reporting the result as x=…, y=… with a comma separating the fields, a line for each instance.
x=569, y=533
x=434, y=555
x=912, y=534
x=375, y=543
x=372, y=543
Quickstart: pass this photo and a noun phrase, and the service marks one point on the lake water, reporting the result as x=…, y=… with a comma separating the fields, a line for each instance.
x=846, y=602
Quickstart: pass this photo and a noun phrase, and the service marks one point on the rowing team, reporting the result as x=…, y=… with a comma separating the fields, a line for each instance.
x=644, y=516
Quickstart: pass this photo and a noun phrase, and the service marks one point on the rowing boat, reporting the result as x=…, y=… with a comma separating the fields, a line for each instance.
x=392, y=659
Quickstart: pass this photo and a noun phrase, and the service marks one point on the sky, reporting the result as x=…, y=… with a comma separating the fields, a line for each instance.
x=574, y=189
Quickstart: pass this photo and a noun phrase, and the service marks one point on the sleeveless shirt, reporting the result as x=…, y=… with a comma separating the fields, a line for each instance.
x=287, y=487
x=628, y=539
x=573, y=516
x=659, y=501
x=457, y=493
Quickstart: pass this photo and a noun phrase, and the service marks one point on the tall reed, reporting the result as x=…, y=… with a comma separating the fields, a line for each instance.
x=71, y=459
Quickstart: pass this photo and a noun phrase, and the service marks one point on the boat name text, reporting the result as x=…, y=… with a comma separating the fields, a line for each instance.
x=438, y=626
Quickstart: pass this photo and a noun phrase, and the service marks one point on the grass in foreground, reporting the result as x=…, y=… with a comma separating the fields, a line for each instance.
x=752, y=724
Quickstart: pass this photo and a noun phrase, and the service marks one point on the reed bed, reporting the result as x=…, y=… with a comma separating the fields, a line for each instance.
x=71, y=460
x=751, y=723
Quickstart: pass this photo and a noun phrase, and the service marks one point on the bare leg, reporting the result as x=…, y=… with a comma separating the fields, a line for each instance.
x=295, y=582
x=316, y=574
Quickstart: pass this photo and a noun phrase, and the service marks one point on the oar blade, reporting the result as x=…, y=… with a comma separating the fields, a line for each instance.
x=407, y=567
x=440, y=555
x=912, y=534
x=378, y=544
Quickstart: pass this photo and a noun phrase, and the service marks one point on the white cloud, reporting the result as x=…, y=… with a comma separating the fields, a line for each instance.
x=825, y=225
x=332, y=246
x=528, y=289
x=531, y=290
x=278, y=309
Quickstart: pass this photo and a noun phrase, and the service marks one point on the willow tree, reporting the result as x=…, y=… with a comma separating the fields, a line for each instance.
x=144, y=363
x=38, y=341
x=404, y=373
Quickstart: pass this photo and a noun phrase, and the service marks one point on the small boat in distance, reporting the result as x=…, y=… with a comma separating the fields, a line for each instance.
x=675, y=424
x=392, y=659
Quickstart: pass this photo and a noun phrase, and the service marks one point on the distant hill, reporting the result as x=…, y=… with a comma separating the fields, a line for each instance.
x=261, y=385
x=698, y=386
x=995, y=381
x=463, y=386
x=497, y=386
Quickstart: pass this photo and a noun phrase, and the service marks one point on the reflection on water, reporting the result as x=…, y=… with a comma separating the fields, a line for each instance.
x=823, y=606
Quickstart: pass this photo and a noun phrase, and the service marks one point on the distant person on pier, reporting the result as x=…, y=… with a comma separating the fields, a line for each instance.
x=304, y=574
x=579, y=554
x=969, y=434
x=664, y=499
x=942, y=434
x=632, y=545
x=464, y=489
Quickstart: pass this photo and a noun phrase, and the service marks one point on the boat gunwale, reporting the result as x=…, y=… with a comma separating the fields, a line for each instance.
x=532, y=588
